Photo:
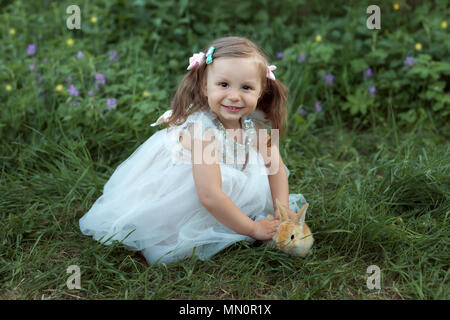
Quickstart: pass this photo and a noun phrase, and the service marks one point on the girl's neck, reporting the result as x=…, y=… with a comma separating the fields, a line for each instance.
x=228, y=124
x=234, y=125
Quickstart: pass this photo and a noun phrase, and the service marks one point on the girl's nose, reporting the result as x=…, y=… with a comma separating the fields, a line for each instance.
x=234, y=95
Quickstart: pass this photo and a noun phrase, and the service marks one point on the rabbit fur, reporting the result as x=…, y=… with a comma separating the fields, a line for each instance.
x=292, y=236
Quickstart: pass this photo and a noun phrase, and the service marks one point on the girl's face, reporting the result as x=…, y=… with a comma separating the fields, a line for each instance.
x=232, y=82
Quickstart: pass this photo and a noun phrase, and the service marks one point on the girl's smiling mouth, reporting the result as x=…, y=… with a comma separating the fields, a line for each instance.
x=231, y=108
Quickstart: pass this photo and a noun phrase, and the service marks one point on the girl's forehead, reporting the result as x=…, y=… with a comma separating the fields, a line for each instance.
x=236, y=67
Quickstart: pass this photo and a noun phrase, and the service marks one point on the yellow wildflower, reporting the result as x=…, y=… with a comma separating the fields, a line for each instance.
x=444, y=24
x=69, y=42
x=8, y=87
x=59, y=87
x=396, y=6
x=145, y=93
x=418, y=46
x=94, y=19
x=318, y=38
x=12, y=31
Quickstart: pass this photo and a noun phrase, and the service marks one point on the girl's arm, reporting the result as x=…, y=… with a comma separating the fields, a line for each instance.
x=279, y=185
x=226, y=212
x=208, y=183
x=278, y=179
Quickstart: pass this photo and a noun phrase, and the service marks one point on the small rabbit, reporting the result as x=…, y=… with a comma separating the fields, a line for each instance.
x=293, y=236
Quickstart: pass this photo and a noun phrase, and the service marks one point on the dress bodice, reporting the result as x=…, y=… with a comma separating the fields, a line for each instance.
x=235, y=153
x=231, y=153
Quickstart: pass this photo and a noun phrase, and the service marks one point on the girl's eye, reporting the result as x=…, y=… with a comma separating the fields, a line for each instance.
x=224, y=85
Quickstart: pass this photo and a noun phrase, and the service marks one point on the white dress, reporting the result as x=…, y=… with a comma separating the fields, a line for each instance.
x=150, y=202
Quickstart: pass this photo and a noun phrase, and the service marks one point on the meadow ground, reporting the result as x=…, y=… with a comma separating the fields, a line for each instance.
x=379, y=197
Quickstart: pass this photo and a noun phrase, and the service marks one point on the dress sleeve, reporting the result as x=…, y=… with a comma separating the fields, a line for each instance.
x=198, y=126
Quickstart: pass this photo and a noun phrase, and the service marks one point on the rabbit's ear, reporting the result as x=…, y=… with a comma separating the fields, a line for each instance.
x=301, y=214
x=283, y=213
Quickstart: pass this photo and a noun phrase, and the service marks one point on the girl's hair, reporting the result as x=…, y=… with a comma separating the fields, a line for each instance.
x=189, y=97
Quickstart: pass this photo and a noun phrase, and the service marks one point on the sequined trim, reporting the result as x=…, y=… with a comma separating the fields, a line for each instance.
x=248, y=135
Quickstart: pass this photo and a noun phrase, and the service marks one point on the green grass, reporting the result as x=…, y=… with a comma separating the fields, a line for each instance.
x=375, y=200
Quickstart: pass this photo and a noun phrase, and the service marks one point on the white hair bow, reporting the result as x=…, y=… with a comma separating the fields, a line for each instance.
x=270, y=74
x=196, y=60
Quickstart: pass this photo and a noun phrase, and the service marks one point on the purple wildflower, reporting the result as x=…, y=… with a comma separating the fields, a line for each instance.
x=69, y=79
x=100, y=78
x=410, y=61
x=91, y=93
x=45, y=60
x=368, y=73
x=301, y=58
x=80, y=54
x=318, y=107
x=113, y=56
x=280, y=55
x=31, y=49
x=111, y=103
x=372, y=90
x=329, y=79
x=301, y=111
x=73, y=91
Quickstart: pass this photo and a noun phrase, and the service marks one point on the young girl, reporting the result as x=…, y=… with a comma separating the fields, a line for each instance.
x=207, y=180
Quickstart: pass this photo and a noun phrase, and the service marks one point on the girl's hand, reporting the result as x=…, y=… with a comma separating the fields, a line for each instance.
x=264, y=229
